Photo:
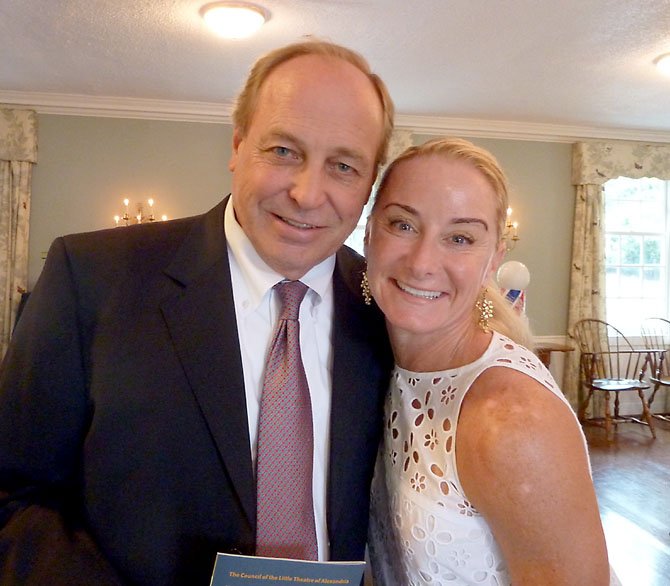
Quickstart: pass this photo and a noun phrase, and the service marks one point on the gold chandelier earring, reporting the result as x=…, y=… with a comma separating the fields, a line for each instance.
x=365, y=288
x=485, y=308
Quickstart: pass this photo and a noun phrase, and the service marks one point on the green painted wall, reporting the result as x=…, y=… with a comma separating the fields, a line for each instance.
x=87, y=165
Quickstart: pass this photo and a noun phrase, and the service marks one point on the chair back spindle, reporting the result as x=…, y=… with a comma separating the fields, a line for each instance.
x=656, y=335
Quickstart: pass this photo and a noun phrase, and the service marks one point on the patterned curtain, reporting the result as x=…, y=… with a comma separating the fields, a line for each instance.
x=18, y=153
x=593, y=164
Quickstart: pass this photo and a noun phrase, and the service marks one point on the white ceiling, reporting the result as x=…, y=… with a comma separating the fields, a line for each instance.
x=534, y=68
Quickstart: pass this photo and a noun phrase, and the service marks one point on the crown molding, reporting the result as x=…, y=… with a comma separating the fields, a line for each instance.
x=181, y=111
x=530, y=131
x=112, y=107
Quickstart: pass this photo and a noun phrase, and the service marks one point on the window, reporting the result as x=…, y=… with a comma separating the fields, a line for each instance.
x=637, y=234
x=357, y=236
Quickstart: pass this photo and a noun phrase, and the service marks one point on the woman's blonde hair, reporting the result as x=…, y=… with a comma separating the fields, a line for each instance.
x=247, y=99
x=506, y=320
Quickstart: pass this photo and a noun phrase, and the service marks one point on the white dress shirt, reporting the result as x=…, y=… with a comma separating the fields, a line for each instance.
x=256, y=310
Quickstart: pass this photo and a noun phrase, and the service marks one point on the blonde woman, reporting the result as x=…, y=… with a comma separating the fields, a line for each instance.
x=483, y=476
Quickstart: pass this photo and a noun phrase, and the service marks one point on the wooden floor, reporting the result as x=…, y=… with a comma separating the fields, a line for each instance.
x=632, y=480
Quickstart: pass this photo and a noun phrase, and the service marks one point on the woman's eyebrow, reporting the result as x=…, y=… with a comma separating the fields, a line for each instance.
x=414, y=211
x=403, y=206
x=471, y=221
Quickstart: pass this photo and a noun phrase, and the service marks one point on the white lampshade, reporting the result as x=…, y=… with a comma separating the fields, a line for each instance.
x=234, y=20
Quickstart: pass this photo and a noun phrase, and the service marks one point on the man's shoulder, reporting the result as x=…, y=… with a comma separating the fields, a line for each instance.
x=347, y=288
x=155, y=240
x=121, y=237
x=147, y=234
x=348, y=261
x=349, y=269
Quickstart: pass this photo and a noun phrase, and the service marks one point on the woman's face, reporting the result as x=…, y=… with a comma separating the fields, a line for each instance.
x=432, y=244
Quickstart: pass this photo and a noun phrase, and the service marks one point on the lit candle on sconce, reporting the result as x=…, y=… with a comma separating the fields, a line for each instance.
x=511, y=233
x=125, y=216
x=139, y=217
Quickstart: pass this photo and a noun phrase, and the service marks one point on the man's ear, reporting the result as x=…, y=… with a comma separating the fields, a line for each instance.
x=237, y=140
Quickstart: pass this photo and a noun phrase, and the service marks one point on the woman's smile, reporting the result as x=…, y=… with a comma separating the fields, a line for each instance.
x=422, y=293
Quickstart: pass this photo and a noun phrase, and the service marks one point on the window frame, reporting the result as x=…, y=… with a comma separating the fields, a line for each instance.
x=636, y=231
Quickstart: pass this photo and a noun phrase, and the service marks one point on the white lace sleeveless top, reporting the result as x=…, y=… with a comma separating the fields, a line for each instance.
x=423, y=529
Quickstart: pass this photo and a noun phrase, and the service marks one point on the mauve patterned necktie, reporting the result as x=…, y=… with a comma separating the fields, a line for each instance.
x=284, y=507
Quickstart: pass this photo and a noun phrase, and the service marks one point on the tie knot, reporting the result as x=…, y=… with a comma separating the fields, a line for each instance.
x=291, y=294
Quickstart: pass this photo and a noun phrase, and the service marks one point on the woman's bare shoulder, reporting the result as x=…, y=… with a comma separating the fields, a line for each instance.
x=523, y=464
x=511, y=422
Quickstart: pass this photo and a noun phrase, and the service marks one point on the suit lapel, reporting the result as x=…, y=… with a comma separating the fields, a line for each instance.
x=202, y=324
x=361, y=367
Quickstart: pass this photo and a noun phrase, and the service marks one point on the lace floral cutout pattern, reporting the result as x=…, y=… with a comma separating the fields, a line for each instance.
x=436, y=536
x=448, y=394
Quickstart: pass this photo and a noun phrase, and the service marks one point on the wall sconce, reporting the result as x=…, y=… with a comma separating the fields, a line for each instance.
x=511, y=232
x=140, y=217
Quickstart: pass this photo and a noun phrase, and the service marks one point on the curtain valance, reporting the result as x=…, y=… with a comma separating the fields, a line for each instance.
x=18, y=135
x=595, y=163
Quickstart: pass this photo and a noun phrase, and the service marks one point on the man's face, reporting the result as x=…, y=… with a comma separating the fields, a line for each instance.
x=304, y=170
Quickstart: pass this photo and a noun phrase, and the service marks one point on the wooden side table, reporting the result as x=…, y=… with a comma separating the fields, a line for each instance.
x=544, y=350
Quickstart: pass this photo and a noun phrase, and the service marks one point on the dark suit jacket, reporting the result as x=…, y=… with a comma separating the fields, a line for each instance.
x=124, y=445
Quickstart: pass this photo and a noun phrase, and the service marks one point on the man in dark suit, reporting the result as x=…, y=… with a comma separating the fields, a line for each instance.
x=129, y=397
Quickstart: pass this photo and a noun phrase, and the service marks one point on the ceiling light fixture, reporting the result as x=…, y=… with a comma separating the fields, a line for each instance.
x=662, y=62
x=234, y=20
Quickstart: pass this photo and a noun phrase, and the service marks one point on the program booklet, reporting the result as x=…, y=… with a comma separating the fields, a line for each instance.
x=242, y=570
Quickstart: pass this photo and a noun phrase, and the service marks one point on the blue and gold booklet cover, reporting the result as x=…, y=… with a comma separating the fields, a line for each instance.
x=241, y=570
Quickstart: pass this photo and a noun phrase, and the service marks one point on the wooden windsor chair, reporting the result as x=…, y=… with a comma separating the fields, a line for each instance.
x=610, y=365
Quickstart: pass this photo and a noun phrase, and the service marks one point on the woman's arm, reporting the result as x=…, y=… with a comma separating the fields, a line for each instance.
x=523, y=464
